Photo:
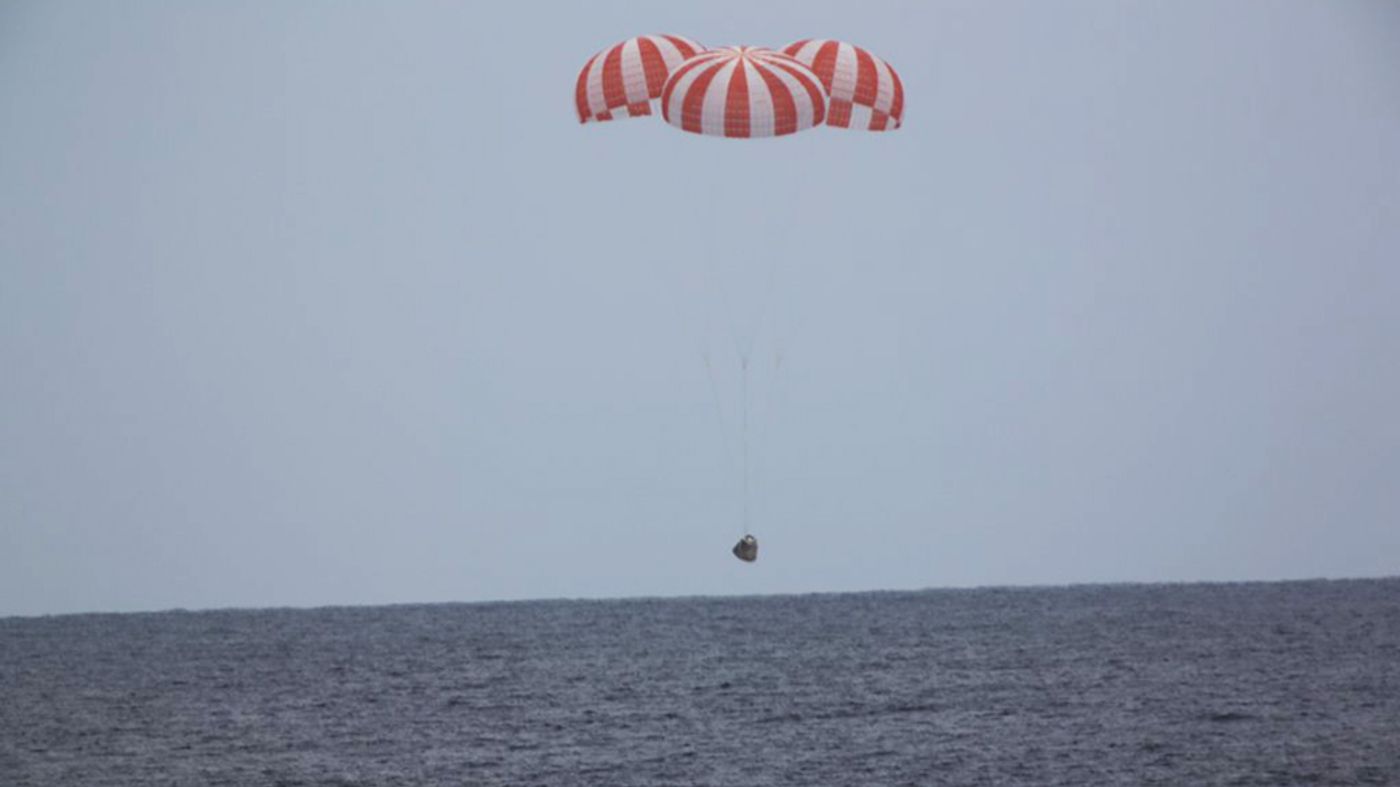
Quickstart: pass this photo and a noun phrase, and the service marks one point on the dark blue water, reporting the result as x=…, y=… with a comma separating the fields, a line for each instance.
x=1286, y=683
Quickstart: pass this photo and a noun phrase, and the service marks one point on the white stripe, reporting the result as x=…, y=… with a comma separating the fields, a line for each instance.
x=861, y=117
x=596, y=103
x=712, y=109
x=762, y=120
x=843, y=81
x=884, y=85
x=634, y=78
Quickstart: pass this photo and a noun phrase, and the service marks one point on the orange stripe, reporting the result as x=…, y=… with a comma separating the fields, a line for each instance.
x=614, y=91
x=653, y=66
x=838, y=113
x=866, y=79
x=824, y=64
x=736, y=102
x=581, y=92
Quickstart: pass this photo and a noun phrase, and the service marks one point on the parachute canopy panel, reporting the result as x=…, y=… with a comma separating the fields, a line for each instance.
x=623, y=80
x=865, y=92
x=743, y=92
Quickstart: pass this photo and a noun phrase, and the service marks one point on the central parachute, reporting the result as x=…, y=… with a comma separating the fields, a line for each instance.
x=743, y=91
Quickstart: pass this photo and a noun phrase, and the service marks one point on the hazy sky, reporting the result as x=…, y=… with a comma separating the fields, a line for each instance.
x=336, y=303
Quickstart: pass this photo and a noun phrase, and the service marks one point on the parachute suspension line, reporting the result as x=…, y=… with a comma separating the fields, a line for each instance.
x=730, y=322
x=719, y=409
x=745, y=348
x=770, y=326
x=766, y=404
x=744, y=428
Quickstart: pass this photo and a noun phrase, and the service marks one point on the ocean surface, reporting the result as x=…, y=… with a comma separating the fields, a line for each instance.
x=1271, y=684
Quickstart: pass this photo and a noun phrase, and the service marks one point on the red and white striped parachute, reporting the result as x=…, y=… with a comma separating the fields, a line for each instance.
x=743, y=92
x=623, y=79
x=865, y=92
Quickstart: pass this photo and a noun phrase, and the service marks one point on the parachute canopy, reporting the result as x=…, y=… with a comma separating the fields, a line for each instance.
x=743, y=91
x=865, y=93
x=622, y=80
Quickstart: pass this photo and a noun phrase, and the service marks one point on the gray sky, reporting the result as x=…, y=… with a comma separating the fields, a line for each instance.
x=336, y=303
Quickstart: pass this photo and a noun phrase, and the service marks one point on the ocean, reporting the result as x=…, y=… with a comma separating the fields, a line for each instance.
x=1259, y=683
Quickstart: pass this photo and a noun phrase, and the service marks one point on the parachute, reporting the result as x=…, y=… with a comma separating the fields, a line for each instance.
x=865, y=92
x=622, y=80
x=741, y=92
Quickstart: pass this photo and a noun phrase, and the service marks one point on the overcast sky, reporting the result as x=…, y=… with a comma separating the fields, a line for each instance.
x=336, y=303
